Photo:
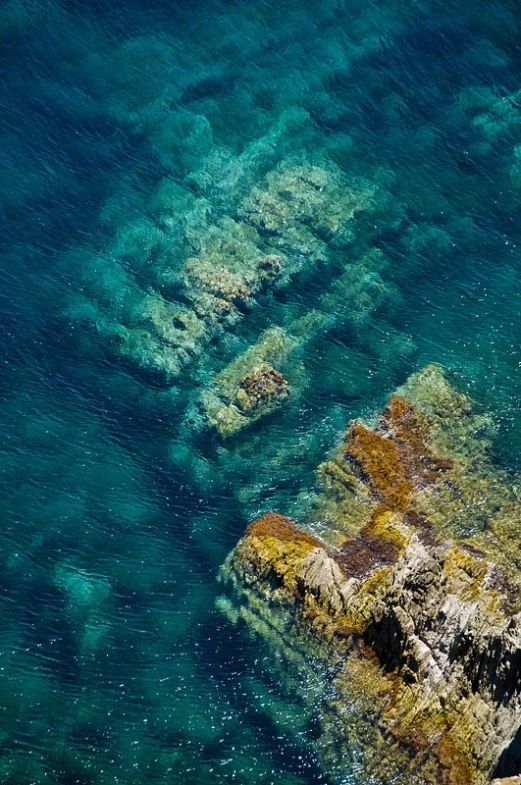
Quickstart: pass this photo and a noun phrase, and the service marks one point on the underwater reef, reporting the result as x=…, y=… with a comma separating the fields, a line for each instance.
x=231, y=229
x=262, y=233
x=217, y=304
x=406, y=580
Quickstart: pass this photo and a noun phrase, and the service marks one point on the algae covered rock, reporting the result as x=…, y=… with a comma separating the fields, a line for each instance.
x=170, y=283
x=303, y=203
x=416, y=604
x=261, y=389
x=254, y=384
x=250, y=387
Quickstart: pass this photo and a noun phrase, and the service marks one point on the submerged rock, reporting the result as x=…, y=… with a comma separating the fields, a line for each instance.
x=260, y=388
x=411, y=590
x=167, y=287
x=250, y=387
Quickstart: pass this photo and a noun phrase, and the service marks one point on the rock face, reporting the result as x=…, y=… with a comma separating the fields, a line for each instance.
x=411, y=590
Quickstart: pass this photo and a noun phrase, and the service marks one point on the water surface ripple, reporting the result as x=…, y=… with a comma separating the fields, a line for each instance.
x=131, y=132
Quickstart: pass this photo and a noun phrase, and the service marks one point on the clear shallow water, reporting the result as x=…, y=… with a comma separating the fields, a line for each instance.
x=117, y=506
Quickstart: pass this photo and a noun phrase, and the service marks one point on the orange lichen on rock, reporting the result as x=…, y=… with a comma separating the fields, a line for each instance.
x=296, y=566
x=379, y=459
x=396, y=459
x=281, y=528
x=410, y=432
x=386, y=525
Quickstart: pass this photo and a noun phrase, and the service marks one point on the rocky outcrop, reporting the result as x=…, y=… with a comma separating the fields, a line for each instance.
x=412, y=590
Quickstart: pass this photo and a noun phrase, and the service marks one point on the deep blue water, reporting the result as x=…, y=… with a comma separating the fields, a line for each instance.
x=129, y=130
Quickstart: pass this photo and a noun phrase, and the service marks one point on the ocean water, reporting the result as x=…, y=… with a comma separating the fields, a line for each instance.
x=136, y=136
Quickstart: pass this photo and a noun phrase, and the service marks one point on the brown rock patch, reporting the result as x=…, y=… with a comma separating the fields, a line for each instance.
x=262, y=387
x=282, y=528
x=397, y=458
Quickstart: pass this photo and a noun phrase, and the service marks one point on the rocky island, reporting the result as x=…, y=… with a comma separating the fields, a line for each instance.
x=403, y=580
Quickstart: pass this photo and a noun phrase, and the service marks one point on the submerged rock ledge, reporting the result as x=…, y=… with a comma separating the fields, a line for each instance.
x=407, y=581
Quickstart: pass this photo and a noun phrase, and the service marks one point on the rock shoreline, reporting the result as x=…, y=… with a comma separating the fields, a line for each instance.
x=407, y=579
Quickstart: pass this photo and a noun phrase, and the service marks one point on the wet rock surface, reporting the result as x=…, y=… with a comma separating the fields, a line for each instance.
x=507, y=781
x=413, y=596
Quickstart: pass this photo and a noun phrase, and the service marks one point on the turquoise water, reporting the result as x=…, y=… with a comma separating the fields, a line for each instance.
x=134, y=136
